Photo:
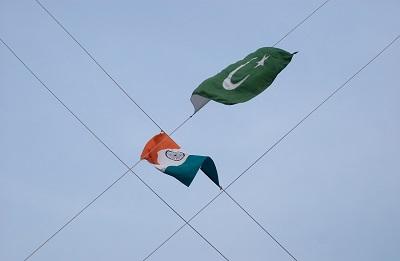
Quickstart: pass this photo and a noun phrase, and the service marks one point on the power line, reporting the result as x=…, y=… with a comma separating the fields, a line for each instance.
x=267, y=151
x=75, y=216
x=301, y=22
x=94, y=200
x=96, y=62
x=123, y=90
x=91, y=56
x=262, y=227
x=110, y=150
x=179, y=126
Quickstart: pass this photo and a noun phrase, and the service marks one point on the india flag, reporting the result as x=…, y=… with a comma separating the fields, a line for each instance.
x=167, y=156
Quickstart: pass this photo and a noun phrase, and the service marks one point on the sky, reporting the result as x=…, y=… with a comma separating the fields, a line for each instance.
x=329, y=191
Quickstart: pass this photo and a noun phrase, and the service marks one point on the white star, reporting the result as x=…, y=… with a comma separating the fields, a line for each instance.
x=262, y=61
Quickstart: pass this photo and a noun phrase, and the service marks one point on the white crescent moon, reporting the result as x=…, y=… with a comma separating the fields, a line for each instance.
x=228, y=84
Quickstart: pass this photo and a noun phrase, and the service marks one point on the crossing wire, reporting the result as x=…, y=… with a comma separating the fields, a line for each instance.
x=179, y=126
x=96, y=62
x=276, y=143
x=110, y=150
x=91, y=56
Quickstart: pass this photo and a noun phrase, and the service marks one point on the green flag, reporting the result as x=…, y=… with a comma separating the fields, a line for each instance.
x=243, y=80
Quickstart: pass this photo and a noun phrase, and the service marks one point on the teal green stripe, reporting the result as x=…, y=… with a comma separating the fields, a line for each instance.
x=186, y=172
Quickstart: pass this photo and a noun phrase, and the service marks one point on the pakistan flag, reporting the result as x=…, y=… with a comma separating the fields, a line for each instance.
x=243, y=80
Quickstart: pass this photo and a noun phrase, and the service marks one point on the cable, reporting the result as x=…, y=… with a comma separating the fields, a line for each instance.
x=180, y=125
x=301, y=22
x=95, y=61
x=267, y=151
x=74, y=217
x=96, y=198
x=203, y=208
x=84, y=49
x=123, y=90
x=109, y=149
x=112, y=78
x=261, y=226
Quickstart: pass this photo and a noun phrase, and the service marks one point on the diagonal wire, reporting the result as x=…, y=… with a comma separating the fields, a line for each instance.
x=266, y=152
x=91, y=56
x=96, y=62
x=261, y=226
x=123, y=90
x=94, y=200
x=110, y=150
x=301, y=22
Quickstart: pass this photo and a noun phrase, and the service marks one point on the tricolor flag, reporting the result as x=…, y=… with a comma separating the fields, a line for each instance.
x=243, y=80
x=167, y=156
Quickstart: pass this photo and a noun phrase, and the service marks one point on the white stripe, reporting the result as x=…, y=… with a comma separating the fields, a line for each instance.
x=165, y=162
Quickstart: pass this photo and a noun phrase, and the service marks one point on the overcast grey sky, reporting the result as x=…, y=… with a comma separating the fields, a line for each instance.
x=329, y=191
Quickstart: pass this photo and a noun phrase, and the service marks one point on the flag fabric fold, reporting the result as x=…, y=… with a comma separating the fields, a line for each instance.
x=243, y=80
x=168, y=157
